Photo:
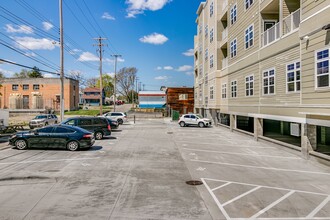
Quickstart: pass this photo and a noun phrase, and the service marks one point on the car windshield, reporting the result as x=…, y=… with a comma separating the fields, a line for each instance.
x=199, y=116
x=40, y=117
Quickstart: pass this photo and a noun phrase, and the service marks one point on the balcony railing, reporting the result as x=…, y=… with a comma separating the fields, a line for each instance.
x=291, y=22
x=271, y=34
x=224, y=34
x=224, y=62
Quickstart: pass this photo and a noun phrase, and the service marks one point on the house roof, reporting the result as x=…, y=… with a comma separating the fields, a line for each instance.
x=92, y=89
x=91, y=96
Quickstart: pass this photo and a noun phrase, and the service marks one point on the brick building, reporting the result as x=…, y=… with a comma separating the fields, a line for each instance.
x=180, y=99
x=38, y=93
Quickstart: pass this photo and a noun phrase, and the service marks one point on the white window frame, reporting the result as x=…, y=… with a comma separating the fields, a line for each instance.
x=211, y=35
x=211, y=8
x=200, y=70
x=231, y=48
x=206, y=30
x=200, y=29
x=295, y=80
x=248, y=3
x=206, y=54
x=249, y=90
x=211, y=61
x=183, y=97
x=268, y=77
x=247, y=33
x=224, y=90
x=211, y=92
x=233, y=17
x=233, y=92
x=323, y=74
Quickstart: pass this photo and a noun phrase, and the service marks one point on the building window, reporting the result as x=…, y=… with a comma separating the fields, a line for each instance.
x=224, y=91
x=248, y=3
x=183, y=96
x=269, y=82
x=200, y=92
x=322, y=68
x=200, y=49
x=14, y=87
x=233, y=14
x=200, y=27
x=211, y=35
x=211, y=9
x=233, y=48
x=249, y=85
x=293, y=77
x=36, y=87
x=206, y=54
x=200, y=70
x=25, y=87
x=211, y=92
x=211, y=61
x=234, y=89
x=206, y=30
x=74, y=88
x=206, y=79
x=249, y=37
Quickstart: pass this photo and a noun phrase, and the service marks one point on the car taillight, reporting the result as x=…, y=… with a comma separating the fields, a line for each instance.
x=87, y=135
x=109, y=128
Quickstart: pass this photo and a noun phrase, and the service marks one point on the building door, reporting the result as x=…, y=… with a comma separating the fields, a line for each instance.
x=268, y=24
x=57, y=102
x=26, y=102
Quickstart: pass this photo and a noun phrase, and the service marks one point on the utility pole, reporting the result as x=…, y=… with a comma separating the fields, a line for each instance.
x=100, y=45
x=61, y=63
x=114, y=84
x=136, y=85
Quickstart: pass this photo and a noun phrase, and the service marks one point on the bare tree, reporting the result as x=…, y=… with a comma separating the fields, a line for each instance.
x=77, y=75
x=92, y=82
x=125, y=81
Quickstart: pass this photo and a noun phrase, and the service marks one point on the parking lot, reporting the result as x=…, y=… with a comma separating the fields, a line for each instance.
x=140, y=172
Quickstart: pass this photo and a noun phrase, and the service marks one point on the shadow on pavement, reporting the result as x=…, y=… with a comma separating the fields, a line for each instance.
x=109, y=138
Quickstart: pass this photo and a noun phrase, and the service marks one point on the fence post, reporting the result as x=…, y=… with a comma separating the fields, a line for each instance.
x=134, y=119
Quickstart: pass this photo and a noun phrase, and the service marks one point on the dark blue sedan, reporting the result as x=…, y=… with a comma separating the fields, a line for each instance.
x=54, y=136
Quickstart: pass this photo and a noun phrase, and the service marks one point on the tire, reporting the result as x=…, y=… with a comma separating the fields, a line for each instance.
x=21, y=144
x=72, y=145
x=46, y=123
x=182, y=124
x=201, y=124
x=98, y=135
x=120, y=121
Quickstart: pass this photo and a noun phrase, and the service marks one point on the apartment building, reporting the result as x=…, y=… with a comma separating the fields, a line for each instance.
x=262, y=67
x=35, y=94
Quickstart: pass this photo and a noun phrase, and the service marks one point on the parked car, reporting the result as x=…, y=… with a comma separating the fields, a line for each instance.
x=53, y=136
x=100, y=126
x=120, y=117
x=113, y=123
x=194, y=119
x=43, y=120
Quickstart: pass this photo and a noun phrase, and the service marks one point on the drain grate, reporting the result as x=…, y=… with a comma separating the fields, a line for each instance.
x=194, y=182
x=169, y=132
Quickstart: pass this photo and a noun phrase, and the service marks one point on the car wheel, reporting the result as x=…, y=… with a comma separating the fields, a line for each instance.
x=201, y=124
x=98, y=135
x=21, y=144
x=120, y=121
x=182, y=124
x=46, y=123
x=72, y=146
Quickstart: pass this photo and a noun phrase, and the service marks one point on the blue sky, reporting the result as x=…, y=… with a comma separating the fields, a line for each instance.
x=155, y=36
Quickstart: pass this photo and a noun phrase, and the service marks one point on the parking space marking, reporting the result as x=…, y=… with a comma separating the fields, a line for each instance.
x=273, y=204
x=319, y=207
x=225, y=145
x=46, y=161
x=256, y=167
x=253, y=155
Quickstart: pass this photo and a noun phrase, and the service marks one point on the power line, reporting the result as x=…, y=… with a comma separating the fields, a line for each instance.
x=28, y=67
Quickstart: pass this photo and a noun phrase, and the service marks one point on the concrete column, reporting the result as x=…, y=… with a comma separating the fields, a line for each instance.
x=232, y=122
x=311, y=134
x=258, y=128
x=305, y=145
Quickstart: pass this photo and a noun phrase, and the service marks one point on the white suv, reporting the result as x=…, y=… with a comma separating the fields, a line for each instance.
x=120, y=117
x=194, y=119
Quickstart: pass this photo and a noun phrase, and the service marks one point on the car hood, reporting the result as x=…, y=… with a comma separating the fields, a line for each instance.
x=37, y=120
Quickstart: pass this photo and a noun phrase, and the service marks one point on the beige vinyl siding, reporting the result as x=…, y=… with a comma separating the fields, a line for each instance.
x=311, y=7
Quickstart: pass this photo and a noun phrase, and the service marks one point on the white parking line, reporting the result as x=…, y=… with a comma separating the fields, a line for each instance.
x=318, y=208
x=253, y=155
x=242, y=195
x=256, y=167
x=46, y=161
x=272, y=204
x=221, y=186
x=225, y=145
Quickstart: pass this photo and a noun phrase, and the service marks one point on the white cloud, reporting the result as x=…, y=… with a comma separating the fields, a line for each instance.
x=168, y=68
x=34, y=43
x=30, y=54
x=190, y=73
x=154, y=38
x=189, y=53
x=7, y=73
x=49, y=75
x=24, y=29
x=107, y=16
x=184, y=68
x=159, y=68
x=161, y=78
x=110, y=74
x=119, y=60
x=139, y=6
x=87, y=56
x=47, y=26
x=74, y=51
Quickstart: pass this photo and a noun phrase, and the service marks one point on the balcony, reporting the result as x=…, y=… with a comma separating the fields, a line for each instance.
x=290, y=23
x=224, y=63
x=224, y=34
